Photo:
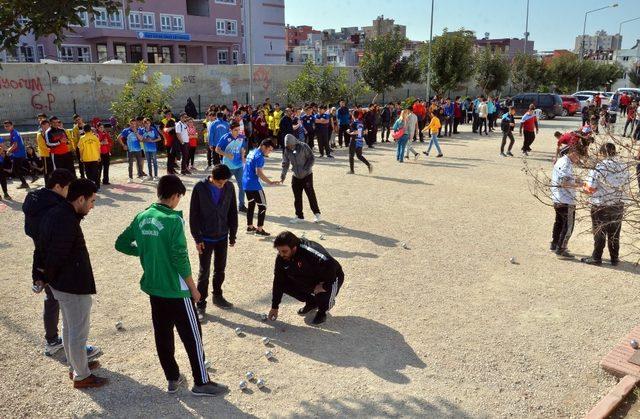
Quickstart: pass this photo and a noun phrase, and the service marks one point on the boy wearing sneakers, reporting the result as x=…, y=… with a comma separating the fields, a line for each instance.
x=157, y=236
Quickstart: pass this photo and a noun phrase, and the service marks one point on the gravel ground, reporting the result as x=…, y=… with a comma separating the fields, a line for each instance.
x=446, y=328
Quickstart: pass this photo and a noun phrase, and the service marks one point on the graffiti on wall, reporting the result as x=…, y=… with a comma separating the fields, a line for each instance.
x=262, y=76
x=40, y=100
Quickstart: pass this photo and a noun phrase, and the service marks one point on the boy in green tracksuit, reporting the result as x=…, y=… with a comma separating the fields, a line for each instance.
x=156, y=235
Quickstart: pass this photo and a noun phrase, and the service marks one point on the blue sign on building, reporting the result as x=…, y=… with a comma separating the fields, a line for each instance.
x=165, y=36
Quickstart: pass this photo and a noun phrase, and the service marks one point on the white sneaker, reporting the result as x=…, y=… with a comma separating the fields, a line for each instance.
x=156, y=178
x=149, y=178
x=295, y=220
x=130, y=180
x=317, y=218
x=51, y=348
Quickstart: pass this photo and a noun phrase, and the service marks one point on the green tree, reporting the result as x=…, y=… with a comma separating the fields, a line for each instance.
x=53, y=17
x=492, y=71
x=382, y=65
x=565, y=70
x=634, y=78
x=451, y=60
x=143, y=94
x=527, y=73
x=325, y=84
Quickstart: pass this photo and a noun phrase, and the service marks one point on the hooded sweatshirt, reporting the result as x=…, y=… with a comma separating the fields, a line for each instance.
x=301, y=158
x=213, y=217
x=156, y=235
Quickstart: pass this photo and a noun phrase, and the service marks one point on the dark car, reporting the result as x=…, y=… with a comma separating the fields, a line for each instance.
x=549, y=103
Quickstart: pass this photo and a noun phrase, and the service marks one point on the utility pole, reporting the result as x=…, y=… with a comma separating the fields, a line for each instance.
x=250, y=44
x=429, y=57
x=526, y=29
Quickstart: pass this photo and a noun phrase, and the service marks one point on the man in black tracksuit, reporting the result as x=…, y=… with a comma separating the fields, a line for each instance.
x=308, y=273
x=213, y=219
x=35, y=206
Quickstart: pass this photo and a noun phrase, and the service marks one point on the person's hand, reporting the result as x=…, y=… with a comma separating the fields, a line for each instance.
x=195, y=294
x=40, y=285
x=319, y=289
x=282, y=181
x=274, y=182
x=273, y=314
x=125, y=148
x=232, y=243
x=200, y=247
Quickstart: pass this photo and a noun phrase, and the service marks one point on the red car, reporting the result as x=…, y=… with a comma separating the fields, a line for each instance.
x=570, y=105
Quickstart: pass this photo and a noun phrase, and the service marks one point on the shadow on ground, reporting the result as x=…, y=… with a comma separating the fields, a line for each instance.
x=343, y=341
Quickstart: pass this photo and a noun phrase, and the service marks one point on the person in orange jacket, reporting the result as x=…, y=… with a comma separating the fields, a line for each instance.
x=432, y=129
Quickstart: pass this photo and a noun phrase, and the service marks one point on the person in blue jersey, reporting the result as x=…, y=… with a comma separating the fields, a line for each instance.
x=150, y=137
x=233, y=149
x=308, y=122
x=17, y=152
x=253, y=173
x=217, y=129
x=357, y=132
x=323, y=119
x=507, y=123
x=344, y=119
x=128, y=139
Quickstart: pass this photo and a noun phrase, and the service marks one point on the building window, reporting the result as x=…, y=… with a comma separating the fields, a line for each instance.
x=234, y=57
x=104, y=20
x=222, y=56
x=227, y=27
x=165, y=54
x=120, y=52
x=65, y=53
x=149, y=21
x=83, y=54
x=226, y=1
x=84, y=17
x=171, y=23
x=135, y=20
x=142, y=20
x=182, y=52
x=40, y=49
x=102, y=52
x=135, y=52
x=198, y=8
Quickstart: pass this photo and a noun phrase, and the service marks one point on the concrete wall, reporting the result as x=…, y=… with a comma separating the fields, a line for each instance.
x=28, y=89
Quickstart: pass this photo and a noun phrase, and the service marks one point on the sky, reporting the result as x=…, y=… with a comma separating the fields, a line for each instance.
x=553, y=24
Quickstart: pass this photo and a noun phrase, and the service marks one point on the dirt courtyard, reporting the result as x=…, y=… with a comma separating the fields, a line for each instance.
x=447, y=327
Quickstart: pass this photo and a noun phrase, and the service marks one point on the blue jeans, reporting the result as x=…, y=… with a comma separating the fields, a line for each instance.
x=401, y=147
x=434, y=141
x=152, y=162
x=237, y=173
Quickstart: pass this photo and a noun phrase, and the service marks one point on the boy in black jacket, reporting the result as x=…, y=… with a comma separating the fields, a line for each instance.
x=308, y=273
x=35, y=206
x=213, y=220
x=67, y=270
x=507, y=125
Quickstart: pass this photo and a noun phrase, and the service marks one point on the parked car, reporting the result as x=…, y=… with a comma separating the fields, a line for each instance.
x=570, y=105
x=614, y=105
x=550, y=104
x=584, y=100
x=605, y=97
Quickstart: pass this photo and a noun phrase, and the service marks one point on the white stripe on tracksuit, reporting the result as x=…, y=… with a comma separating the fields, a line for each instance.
x=196, y=335
x=334, y=291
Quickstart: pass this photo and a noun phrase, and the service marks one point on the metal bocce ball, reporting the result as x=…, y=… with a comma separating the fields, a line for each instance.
x=634, y=344
x=119, y=326
x=322, y=237
x=242, y=385
x=250, y=375
x=261, y=383
x=264, y=317
x=266, y=340
x=238, y=331
x=268, y=354
x=512, y=259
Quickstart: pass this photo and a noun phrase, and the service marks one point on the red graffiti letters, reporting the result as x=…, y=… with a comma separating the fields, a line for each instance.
x=30, y=84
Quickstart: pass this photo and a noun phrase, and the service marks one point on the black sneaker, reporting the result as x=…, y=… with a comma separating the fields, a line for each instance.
x=440, y=155
x=553, y=247
x=251, y=230
x=201, y=313
x=307, y=308
x=329, y=156
x=425, y=153
x=209, y=389
x=564, y=254
x=510, y=154
x=321, y=317
x=262, y=233
x=242, y=209
x=591, y=261
x=370, y=168
x=220, y=301
x=615, y=262
x=23, y=186
x=173, y=385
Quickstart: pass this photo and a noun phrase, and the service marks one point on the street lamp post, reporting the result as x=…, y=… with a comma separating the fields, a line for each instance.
x=620, y=34
x=526, y=29
x=584, y=29
x=429, y=56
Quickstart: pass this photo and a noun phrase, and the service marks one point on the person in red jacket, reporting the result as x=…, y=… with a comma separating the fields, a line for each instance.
x=624, y=101
x=528, y=125
x=105, y=152
x=420, y=110
x=457, y=114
